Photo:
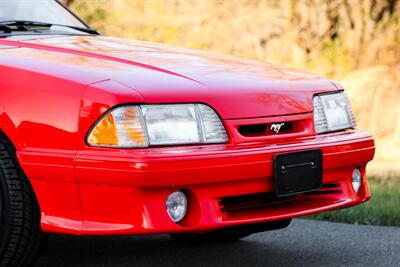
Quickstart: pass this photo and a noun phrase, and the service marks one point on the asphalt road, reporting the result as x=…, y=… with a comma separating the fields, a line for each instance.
x=304, y=243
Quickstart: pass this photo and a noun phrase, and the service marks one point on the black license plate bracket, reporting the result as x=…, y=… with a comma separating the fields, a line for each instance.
x=298, y=172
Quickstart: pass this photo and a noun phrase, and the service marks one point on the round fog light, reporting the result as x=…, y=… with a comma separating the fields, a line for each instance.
x=177, y=206
x=356, y=180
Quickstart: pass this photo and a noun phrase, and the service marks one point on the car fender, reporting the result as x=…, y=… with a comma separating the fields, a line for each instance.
x=100, y=97
x=9, y=129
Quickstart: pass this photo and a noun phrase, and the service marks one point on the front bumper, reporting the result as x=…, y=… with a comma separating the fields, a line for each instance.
x=124, y=191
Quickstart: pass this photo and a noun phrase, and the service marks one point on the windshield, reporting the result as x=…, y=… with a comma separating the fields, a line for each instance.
x=47, y=11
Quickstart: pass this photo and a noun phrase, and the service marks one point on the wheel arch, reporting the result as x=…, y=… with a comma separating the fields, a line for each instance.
x=22, y=240
x=5, y=136
x=58, y=200
x=9, y=130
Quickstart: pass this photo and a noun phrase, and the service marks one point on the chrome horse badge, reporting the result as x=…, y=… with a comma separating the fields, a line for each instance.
x=276, y=127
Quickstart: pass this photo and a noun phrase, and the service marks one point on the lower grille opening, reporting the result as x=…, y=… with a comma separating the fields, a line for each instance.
x=252, y=201
x=263, y=200
x=327, y=189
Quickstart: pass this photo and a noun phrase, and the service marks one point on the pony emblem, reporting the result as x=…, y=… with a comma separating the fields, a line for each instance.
x=276, y=127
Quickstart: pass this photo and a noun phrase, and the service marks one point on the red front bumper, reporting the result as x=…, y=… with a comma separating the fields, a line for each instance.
x=124, y=191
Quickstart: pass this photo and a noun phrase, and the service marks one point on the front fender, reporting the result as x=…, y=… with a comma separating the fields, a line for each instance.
x=100, y=97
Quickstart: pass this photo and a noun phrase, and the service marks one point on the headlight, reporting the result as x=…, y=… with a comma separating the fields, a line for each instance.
x=152, y=125
x=332, y=112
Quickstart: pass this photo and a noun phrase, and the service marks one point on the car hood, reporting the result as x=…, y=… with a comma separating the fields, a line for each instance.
x=235, y=87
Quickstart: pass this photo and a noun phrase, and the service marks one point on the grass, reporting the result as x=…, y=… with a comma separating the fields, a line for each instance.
x=382, y=209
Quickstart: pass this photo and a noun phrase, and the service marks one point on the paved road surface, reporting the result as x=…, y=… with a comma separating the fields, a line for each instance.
x=304, y=243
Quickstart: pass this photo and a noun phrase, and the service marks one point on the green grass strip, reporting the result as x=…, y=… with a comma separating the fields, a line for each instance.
x=382, y=209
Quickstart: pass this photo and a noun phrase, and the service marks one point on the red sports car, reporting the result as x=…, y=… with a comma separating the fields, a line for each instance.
x=105, y=136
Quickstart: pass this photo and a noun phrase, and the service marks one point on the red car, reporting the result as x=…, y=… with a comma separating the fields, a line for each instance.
x=105, y=136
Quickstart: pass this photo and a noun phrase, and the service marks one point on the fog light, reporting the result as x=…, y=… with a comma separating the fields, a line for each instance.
x=177, y=206
x=356, y=180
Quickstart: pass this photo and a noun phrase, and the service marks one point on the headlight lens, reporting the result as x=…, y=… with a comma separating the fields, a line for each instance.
x=332, y=112
x=152, y=125
x=175, y=124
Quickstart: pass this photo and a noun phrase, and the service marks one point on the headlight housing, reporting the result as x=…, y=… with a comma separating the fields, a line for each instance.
x=332, y=112
x=153, y=125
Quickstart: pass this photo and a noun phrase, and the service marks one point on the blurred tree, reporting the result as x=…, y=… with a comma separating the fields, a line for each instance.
x=379, y=9
x=332, y=12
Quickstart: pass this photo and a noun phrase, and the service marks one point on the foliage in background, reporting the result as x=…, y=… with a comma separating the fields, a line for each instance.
x=382, y=209
x=354, y=41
